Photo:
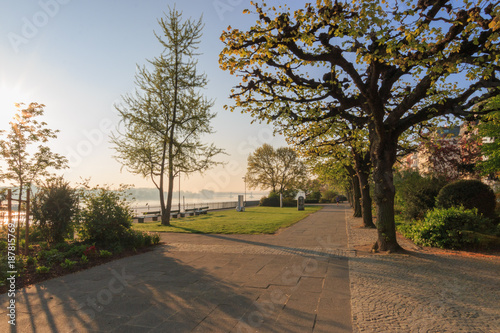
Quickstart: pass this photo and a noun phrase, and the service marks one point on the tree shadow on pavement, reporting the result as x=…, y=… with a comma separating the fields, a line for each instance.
x=145, y=293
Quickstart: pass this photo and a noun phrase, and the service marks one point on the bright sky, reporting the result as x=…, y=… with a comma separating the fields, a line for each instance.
x=79, y=57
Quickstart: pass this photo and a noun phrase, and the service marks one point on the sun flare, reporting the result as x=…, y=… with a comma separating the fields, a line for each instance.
x=10, y=95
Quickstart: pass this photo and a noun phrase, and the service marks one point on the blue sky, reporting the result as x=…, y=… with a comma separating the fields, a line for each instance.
x=79, y=57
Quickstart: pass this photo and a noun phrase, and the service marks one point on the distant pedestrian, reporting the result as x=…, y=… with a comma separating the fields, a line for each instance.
x=337, y=199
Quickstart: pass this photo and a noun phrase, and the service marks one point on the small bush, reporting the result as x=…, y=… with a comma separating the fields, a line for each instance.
x=137, y=239
x=448, y=228
x=62, y=247
x=51, y=256
x=31, y=261
x=90, y=251
x=42, y=270
x=68, y=264
x=53, y=208
x=470, y=194
x=106, y=217
x=76, y=250
x=156, y=238
x=274, y=201
x=416, y=194
x=105, y=254
x=84, y=259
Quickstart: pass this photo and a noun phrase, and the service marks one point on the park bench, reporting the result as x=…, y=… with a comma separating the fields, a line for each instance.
x=153, y=214
x=140, y=219
x=190, y=212
x=203, y=210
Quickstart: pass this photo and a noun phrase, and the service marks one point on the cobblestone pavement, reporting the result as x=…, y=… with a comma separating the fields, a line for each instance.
x=421, y=291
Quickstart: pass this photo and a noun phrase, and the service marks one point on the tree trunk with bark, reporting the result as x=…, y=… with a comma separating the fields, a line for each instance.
x=356, y=192
x=383, y=156
x=362, y=166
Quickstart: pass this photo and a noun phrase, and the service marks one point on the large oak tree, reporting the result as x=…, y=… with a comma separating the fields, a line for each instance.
x=389, y=65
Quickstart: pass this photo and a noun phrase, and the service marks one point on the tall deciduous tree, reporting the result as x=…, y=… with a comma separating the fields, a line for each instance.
x=394, y=65
x=24, y=152
x=163, y=122
x=344, y=144
x=280, y=169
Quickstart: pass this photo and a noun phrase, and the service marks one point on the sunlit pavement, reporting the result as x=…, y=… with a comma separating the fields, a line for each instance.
x=295, y=281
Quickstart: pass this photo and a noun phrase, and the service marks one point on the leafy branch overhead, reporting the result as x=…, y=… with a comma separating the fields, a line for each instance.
x=354, y=61
x=366, y=73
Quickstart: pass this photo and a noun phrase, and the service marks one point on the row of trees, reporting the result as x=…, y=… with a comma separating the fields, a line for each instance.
x=364, y=76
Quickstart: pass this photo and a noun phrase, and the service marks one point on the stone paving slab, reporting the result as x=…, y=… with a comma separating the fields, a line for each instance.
x=205, y=283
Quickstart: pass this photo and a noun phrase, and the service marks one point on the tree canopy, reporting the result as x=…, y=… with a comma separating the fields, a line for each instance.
x=23, y=149
x=386, y=66
x=279, y=170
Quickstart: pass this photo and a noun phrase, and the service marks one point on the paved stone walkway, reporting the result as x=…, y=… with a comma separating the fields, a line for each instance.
x=311, y=277
x=423, y=291
x=295, y=281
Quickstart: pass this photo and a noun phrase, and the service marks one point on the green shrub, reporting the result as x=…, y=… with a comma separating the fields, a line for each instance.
x=136, y=239
x=106, y=217
x=53, y=208
x=3, y=246
x=31, y=261
x=68, y=264
x=42, y=270
x=76, y=250
x=274, y=201
x=470, y=194
x=105, y=254
x=415, y=195
x=84, y=259
x=51, y=256
x=62, y=247
x=116, y=248
x=156, y=238
x=448, y=228
x=36, y=234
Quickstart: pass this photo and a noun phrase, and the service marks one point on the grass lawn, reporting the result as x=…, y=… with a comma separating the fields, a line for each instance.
x=255, y=220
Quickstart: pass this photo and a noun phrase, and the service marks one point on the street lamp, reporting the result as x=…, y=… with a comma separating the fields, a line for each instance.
x=245, y=181
x=179, y=192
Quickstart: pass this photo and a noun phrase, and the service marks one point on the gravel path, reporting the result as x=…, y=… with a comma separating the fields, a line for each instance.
x=422, y=291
